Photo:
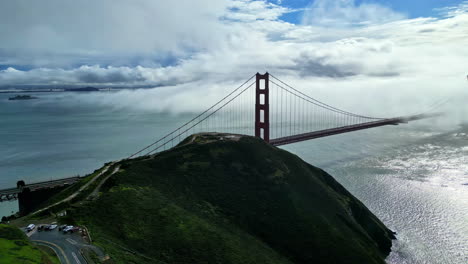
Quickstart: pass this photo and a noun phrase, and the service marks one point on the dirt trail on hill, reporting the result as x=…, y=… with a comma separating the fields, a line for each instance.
x=73, y=195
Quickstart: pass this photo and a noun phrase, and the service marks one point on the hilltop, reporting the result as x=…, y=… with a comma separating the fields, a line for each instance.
x=218, y=198
x=230, y=199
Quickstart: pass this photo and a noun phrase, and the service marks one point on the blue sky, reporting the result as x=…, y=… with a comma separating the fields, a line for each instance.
x=417, y=8
x=411, y=8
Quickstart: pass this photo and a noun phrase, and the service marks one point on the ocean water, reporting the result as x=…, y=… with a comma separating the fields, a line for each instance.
x=413, y=177
x=416, y=184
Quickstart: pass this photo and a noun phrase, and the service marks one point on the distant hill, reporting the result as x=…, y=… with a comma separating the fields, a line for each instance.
x=84, y=89
x=22, y=97
x=221, y=199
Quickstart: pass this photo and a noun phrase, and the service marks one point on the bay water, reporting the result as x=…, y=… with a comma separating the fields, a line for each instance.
x=413, y=177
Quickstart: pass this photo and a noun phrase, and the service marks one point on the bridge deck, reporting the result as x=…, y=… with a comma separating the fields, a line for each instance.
x=9, y=191
x=40, y=185
x=344, y=129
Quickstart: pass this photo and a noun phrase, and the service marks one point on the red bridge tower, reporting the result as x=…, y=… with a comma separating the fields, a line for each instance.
x=262, y=107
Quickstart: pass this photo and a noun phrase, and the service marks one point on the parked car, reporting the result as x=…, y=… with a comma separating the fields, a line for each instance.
x=40, y=228
x=62, y=227
x=50, y=227
x=68, y=229
x=30, y=227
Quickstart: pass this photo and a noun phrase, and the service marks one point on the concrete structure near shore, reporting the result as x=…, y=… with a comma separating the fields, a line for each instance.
x=31, y=195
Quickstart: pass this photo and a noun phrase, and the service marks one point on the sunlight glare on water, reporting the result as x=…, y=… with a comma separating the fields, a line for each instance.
x=418, y=188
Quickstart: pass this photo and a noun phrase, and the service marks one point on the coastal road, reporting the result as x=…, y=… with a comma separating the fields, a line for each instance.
x=56, y=248
x=67, y=246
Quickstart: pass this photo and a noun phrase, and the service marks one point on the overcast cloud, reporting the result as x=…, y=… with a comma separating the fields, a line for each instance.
x=362, y=52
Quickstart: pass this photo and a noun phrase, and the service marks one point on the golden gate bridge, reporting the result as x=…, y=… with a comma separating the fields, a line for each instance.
x=264, y=106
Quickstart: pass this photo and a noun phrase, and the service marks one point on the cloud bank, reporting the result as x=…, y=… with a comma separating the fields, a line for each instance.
x=342, y=53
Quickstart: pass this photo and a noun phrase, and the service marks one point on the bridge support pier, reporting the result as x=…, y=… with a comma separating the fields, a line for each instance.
x=262, y=107
x=31, y=200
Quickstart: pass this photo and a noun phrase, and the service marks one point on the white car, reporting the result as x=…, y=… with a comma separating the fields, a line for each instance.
x=67, y=229
x=30, y=227
x=52, y=227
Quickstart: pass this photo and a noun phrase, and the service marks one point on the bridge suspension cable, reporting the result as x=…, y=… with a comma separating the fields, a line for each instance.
x=293, y=112
x=274, y=111
x=175, y=135
x=322, y=104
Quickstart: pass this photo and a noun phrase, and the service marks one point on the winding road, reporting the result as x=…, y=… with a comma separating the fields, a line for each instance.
x=66, y=246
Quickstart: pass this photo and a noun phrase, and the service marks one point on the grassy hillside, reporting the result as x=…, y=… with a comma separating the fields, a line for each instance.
x=220, y=200
x=16, y=248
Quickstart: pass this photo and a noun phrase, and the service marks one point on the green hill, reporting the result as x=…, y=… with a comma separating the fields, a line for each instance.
x=227, y=199
x=16, y=248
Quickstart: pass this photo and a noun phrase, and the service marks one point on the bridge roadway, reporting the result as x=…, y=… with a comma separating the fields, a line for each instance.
x=345, y=129
x=9, y=193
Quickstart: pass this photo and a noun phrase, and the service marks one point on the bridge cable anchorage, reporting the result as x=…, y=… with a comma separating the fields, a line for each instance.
x=322, y=104
x=204, y=112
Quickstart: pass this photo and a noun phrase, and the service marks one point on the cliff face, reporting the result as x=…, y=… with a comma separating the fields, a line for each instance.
x=227, y=199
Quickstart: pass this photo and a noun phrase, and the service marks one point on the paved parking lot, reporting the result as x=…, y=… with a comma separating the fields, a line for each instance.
x=67, y=246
